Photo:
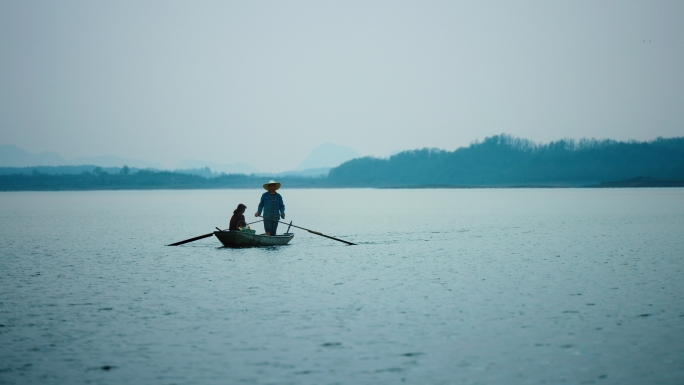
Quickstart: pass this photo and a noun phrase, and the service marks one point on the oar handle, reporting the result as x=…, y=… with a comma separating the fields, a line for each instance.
x=250, y=223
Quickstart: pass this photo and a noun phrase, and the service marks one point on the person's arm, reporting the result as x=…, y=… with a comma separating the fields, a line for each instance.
x=260, y=208
x=282, y=208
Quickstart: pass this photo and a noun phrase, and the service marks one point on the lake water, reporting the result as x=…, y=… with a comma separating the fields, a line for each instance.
x=463, y=286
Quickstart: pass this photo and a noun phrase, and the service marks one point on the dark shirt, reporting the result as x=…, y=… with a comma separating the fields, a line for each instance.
x=272, y=205
x=236, y=220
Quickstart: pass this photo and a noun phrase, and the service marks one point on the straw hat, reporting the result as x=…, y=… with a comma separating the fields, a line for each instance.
x=272, y=182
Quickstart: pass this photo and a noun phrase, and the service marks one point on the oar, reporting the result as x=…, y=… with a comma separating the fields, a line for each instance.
x=191, y=239
x=313, y=232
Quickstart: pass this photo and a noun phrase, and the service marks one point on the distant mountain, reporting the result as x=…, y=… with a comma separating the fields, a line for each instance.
x=504, y=160
x=13, y=156
x=328, y=155
x=227, y=168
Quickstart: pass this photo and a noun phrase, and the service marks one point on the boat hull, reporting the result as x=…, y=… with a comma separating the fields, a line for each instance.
x=244, y=239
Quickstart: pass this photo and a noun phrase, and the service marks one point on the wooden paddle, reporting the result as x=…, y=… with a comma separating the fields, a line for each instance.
x=191, y=239
x=327, y=236
x=313, y=232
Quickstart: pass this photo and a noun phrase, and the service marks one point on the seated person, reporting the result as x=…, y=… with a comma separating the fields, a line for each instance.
x=237, y=222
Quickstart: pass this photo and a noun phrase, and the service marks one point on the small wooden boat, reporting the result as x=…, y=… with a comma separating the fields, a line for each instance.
x=231, y=238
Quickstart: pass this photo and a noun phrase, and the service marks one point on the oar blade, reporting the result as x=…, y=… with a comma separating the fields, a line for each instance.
x=191, y=240
x=328, y=236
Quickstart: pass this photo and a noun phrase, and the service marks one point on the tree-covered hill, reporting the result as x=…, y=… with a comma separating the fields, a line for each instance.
x=498, y=161
x=503, y=160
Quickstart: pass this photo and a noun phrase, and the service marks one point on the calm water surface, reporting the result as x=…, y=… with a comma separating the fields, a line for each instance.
x=497, y=286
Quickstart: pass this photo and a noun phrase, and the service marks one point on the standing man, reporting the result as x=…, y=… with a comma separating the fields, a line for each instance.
x=273, y=207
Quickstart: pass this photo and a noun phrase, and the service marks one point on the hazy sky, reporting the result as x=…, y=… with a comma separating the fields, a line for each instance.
x=266, y=82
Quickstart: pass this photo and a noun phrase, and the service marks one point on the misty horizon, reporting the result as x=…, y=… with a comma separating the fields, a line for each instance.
x=319, y=158
x=113, y=160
